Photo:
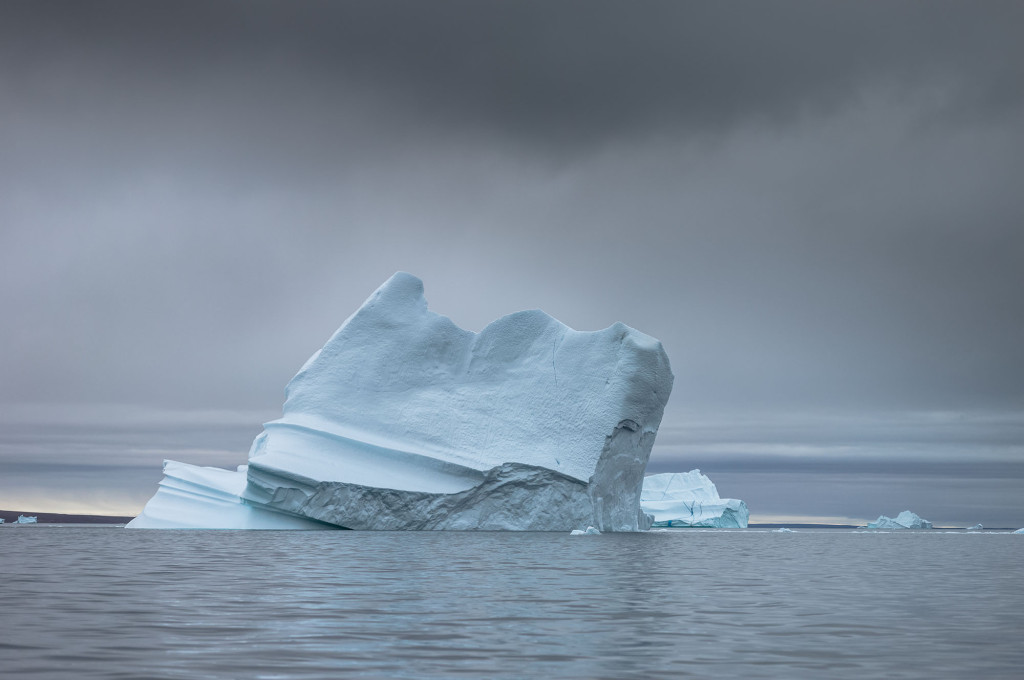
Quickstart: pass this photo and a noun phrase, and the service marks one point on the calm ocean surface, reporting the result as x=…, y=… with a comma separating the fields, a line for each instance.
x=101, y=602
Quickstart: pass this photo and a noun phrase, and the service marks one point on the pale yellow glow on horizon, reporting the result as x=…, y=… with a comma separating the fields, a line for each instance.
x=105, y=505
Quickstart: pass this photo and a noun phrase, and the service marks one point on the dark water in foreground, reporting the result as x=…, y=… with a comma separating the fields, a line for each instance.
x=100, y=602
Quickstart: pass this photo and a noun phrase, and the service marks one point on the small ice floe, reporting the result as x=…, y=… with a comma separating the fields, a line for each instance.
x=591, y=531
x=976, y=527
x=783, y=530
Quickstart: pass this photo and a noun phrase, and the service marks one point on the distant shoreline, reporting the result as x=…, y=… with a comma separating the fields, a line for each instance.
x=10, y=516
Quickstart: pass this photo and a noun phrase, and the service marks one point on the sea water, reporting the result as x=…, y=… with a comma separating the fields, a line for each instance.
x=101, y=602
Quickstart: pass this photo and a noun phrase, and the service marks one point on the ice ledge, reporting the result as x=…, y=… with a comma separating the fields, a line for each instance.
x=510, y=497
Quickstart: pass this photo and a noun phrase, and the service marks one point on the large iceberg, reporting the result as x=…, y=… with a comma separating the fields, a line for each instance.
x=690, y=499
x=904, y=520
x=403, y=420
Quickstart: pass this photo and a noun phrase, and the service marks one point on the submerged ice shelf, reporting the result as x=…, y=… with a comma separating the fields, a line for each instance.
x=403, y=420
x=690, y=499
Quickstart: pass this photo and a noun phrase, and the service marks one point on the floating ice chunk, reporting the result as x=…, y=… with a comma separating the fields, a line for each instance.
x=26, y=519
x=1019, y=531
x=783, y=530
x=193, y=497
x=591, y=531
x=690, y=499
x=976, y=527
x=403, y=420
x=904, y=520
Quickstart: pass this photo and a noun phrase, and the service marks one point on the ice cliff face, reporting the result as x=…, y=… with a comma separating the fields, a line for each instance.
x=904, y=520
x=690, y=499
x=403, y=420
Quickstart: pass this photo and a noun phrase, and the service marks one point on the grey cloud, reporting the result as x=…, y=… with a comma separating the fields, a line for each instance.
x=565, y=75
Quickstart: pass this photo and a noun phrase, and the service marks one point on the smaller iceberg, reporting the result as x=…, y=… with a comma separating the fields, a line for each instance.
x=25, y=519
x=783, y=530
x=1019, y=531
x=976, y=527
x=904, y=520
x=690, y=499
x=591, y=531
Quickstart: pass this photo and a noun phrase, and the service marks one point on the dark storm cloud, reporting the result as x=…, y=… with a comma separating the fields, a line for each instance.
x=813, y=205
x=555, y=75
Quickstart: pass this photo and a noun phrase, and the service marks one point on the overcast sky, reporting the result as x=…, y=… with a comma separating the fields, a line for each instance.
x=817, y=207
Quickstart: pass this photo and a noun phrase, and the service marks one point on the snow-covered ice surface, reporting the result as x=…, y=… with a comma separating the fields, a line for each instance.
x=904, y=520
x=193, y=497
x=690, y=499
x=403, y=420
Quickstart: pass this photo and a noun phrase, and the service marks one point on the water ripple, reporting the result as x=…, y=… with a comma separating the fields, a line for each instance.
x=91, y=602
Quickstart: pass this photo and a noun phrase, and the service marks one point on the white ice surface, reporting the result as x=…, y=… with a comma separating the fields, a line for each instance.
x=400, y=378
x=193, y=497
x=1019, y=531
x=976, y=527
x=690, y=499
x=904, y=520
x=590, y=531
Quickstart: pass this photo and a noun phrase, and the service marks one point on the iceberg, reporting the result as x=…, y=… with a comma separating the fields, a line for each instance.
x=404, y=421
x=904, y=520
x=976, y=527
x=1019, y=531
x=26, y=519
x=690, y=499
